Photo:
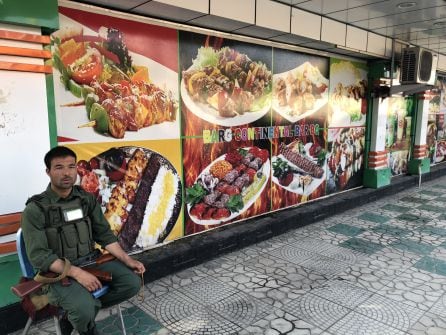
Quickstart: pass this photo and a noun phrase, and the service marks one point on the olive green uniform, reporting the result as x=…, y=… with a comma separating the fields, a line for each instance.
x=75, y=299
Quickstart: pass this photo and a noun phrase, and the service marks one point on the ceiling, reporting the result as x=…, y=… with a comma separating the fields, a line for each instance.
x=418, y=22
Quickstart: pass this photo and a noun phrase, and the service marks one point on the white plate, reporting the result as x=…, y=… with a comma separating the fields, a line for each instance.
x=266, y=168
x=285, y=111
x=310, y=188
x=206, y=112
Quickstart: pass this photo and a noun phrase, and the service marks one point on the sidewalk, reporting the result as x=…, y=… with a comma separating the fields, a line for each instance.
x=378, y=269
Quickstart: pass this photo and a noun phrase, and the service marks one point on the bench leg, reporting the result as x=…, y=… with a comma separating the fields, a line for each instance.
x=122, y=320
x=28, y=324
x=57, y=325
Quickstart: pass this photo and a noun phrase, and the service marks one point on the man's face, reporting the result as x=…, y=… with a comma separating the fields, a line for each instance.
x=62, y=174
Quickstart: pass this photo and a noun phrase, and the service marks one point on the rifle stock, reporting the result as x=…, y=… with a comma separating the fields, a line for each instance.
x=23, y=289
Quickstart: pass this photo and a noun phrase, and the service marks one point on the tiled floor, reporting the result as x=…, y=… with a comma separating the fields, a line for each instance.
x=379, y=269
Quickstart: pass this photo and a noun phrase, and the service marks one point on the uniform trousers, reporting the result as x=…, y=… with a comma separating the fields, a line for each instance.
x=82, y=307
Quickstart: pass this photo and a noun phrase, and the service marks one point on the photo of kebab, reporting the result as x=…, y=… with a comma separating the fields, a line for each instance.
x=299, y=167
x=228, y=186
x=346, y=155
x=118, y=95
x=225, y=83
x=139, y=192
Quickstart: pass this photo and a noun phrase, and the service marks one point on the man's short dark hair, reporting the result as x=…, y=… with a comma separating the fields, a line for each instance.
x=56, y=152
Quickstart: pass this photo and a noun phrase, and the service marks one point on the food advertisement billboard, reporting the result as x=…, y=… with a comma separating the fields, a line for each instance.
x=436, y=135
x=110, y=81
x=116, y=95
x=299, y=109
x=179, y=132
x=226, y=100
x=398, y=133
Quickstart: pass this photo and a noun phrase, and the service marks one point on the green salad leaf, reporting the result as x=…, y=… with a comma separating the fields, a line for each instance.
x=235, y=203
x=194, y=194
x=206, y=56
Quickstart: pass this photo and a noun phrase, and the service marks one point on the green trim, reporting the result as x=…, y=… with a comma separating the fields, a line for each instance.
x=376, y=178
x=42, y=13
x=413, y=165
x=52, y=125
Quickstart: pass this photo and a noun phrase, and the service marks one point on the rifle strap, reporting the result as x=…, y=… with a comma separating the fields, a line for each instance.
x=40, y=278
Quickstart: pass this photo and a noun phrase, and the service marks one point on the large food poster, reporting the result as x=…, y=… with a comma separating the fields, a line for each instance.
x=299, y=103
x=347, y=93
x=347, y=111
x=138, y=185
x=345, y=160
x=398, y=133
x=226, y=100
x=114, y=79
x=436, y=136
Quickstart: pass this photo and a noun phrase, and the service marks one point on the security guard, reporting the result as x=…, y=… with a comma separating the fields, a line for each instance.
x=60, y=226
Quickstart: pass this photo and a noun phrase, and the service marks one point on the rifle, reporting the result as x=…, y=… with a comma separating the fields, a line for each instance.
x=23, y=289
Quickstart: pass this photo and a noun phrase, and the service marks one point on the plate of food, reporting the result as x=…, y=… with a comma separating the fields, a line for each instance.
x=347, y=95
x=299, y=92
x=228, y=186
x=440, y=151
x=102, y=88
x=139, y=191
x=226, y=87
x=299, y=168
x=346, y=156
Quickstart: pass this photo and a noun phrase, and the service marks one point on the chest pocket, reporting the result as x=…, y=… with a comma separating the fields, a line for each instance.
x=71, y=239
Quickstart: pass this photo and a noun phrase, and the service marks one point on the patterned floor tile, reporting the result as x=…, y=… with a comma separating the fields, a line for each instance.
x=431, y=193
x=344, y=229
x=429, y=325
x=415, y=287
x=135, y=320
x=328, y=236
x=342, y=293
x=293, y=254
x=441, y=232
x=372, y=274
x=440, y=307
x=391, y=230
x=390, y=312
x=368, y=216
x=430, y=208
x=301, y=279
x=325, y=266
x=413, y=246
x=377, y=238
x=416, y=200
x=433, y=265
x=354, y=324
x=281, y=322
x=439, y=253
x=329, y=250
x=316, y=310
x=361, y=245
x=204, y=322
x=265, y=288
x=409, y=217
x=396, y=208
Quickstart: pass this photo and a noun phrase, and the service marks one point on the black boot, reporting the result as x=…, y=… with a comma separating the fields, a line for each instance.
x=65, y=326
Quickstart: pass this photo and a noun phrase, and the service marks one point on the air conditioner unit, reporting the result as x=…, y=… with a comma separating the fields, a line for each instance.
x=418, y=66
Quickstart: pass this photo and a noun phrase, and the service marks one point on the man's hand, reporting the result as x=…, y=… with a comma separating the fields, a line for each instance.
x=86, y=279
x=137, y=266
x=116, y=250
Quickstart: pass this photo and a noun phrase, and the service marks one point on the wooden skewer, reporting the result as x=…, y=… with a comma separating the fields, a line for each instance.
x=88, y=124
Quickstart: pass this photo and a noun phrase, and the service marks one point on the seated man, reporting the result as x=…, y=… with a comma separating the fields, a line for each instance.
x=64, y=222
